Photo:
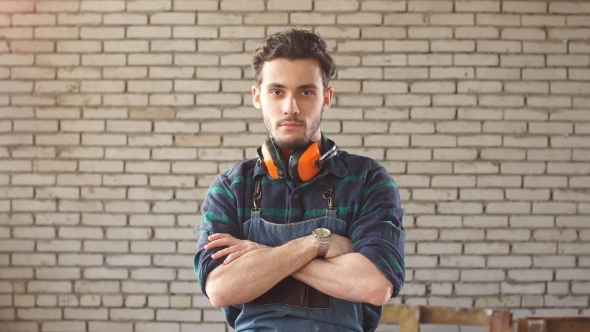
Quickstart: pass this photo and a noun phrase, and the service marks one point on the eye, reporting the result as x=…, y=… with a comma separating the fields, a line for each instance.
x=307, y=93
x=275, y=92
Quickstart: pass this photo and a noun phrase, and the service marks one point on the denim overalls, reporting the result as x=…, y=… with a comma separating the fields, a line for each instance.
x=292, y=306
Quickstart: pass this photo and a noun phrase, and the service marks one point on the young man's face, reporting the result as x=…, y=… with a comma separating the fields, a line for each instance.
x=292, y=100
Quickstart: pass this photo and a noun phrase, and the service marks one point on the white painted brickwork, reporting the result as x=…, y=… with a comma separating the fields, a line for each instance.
x=115, y=116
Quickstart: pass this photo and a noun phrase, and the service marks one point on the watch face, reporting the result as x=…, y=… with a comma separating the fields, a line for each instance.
x=321, y=232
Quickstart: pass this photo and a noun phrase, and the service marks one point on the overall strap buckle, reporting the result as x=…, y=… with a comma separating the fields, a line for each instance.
x=257, y=195
x=329, y=193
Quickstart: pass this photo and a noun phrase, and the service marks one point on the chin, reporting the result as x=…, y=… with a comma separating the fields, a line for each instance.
x=291, y=144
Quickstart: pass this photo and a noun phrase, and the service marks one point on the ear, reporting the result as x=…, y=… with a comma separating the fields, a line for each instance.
x=328, y=94
x=256, y=96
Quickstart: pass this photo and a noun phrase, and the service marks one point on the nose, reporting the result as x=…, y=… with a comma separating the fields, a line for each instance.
x=290, y=106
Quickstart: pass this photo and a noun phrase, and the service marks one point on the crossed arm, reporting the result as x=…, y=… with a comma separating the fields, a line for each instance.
x=342, y=274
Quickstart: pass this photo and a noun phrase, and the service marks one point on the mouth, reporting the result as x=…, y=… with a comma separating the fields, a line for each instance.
x=290, y=124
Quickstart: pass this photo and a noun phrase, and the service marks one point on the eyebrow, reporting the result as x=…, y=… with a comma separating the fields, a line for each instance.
x=301, y=87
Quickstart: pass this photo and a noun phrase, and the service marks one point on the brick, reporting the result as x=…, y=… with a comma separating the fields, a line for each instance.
x=577, y=20
x=498, y=19
x=303, y=19
x=482, y=275
x=103, y=139
x=568, y=33
x=97, y=286
x=504, y=127
x=568, y=61
x=78, y=73
x=567, y=168
x=454, y=154
x=475, y=60
x=124, y=19
x=109, y=326
x=16, y=33
x=78, y=99
x=103, y=86
x=248, y=5
x=460, y=208
x=543, y=20
x=102, y=33
x=477, y=6
x=172, y=181
x=430, y=33
x=220, y=19
x=531, y=275
x=497, y=73
x=57, y=33
x=63, y=326
x=430, y=6
x=405, y=73
x=172, y=18
x=569, y=7
x=437, y=274
x=499, y=46
x=103, y=59
x=477, y=32
x=527, y=87
x=570, y=88
x=524, y=6
x=481, y=194
x=57, y=61
x=57, y=192
x=544, y=47
x=477, y=289
x=81, y=152
x=549, y=155
x=33, y=19
x=179, y=99
x=544, y=74
x=173, y=46
x=79, y=19
x=411, y=127
x=56, y=87
x=38, y=313
x=103, y=6
x=575, y=47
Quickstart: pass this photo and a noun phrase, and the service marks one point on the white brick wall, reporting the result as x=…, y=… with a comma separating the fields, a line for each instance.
x=115, y=116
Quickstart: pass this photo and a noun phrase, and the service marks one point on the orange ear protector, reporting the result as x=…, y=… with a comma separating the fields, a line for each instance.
x=303, y=164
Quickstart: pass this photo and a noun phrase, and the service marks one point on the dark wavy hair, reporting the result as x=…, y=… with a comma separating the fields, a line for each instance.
x=294, y=44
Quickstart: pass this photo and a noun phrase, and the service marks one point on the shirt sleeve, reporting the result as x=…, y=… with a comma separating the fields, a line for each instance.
x=377, y=231
x=219, y=216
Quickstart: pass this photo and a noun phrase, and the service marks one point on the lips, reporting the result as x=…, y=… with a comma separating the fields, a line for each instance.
x=290, y=124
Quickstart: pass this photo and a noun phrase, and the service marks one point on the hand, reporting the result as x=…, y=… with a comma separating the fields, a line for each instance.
x=339, y=245
x=236, y=247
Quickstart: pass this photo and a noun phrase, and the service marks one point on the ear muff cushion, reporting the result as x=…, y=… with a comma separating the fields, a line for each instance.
x=306, y=166
x=273, y=160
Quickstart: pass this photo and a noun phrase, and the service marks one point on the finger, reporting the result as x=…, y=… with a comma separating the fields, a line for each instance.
x=218, y=236
x=221, y=243
x=226, y=251
x=233, y=256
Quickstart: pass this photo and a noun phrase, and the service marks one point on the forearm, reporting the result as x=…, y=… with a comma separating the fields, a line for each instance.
x=351, y=277
x=258, y=271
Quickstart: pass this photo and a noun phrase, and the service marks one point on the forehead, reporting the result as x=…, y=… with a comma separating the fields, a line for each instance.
x=291, y=72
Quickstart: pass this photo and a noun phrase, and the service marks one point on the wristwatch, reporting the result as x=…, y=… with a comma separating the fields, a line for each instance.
x=323, y=235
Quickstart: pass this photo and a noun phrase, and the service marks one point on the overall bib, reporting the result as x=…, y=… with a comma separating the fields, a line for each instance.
x=292, y=306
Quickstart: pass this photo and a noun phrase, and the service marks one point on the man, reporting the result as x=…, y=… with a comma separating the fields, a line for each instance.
x=305, y=237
